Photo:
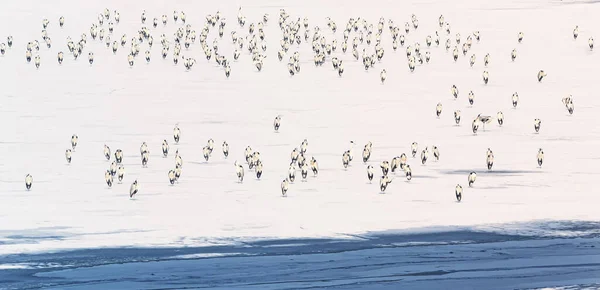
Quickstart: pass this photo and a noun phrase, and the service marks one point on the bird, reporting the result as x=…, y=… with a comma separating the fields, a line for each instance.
x=454, y=91
x=471, y=98
x=108, y=178
x=171, y=175
x=540, y=157
x=120, y=173
x=277, y=123
x=458, y=192
x=68, y=155
x=383, y=76
x=165, y=148
x=500, y=118
x=541, y=74
x=471, y=178
x=133, y=189
x=485, y=77
x=413, y=148
x=284, y=187
x=176, y=134
x=513, y=54
x=74, y=140
x=436, y=153
x=438, y=110
x=384, y=181
x=424, y=156
x=107, y=152
x=490, y=159
x=408, y=172
x=515, y=100
x=370, y=173
x=520, y=36
x=239, y=170
x=28, y=181
x=537, y=123
x=576, y=32
x=591, y=43
x=225, y=147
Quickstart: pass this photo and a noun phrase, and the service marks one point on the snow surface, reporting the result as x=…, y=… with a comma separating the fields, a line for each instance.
x=70, y=206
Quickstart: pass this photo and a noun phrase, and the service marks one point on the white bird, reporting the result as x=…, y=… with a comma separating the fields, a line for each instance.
x=108, y=178
x=540, y=157
x=120, y=173
x=165, y=148
x=537, y=123
x=370, y=173
x=28, y=181
x=458, y=192
x=106, y=152
x=500, y=118
x=277, y=123
x=384, y=181
x=171, y=176
x=68, y=155
x=541, y=74
x=284, y=187
x=176, y=134
x=383, y=76
x=239, y=170
x=414, y=148
x=133, y=190
x=225, y=149
x=471, y=178
x=74, y=140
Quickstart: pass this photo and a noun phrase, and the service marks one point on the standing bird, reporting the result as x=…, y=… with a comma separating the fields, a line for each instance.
x=408, y=172
x=471, y=178
x=472, y=61
x=438, y=110
x=176, y=134
x=314, y=166
x=28, y=181
x=292, y=173
x=384, y=182
x=120, y=173
x=536, y=125
x=165, y=148
x=91, y=58
x=413, y=149
x=277, y=123
x=591, y=43
x=486, y=77
x=205, y=153
x=304, y=170
x=513, y=54
x=107, y=152
x=108, y=178
x=225, y=149
x=486, y=60
x=436, y=153
x=490, y=160
x=385, y=167
x=424, y=156
x=239, y=170
x=284, y=187
x=515, y=99
x=475, y=125
x=74, y=140
x=113, y=168
x=454, y=91
x=576, y=32
x=382, y=76
x=345, y=159
x=471, y=98
x=145, y=157
x=520, y=36
x=500, y=118
x=541, y=74
x=68, y=155
x=540, y=157
x=119, y=156
x=133, y=190
x=171, y=175
x=370, y=173
x=458, y=192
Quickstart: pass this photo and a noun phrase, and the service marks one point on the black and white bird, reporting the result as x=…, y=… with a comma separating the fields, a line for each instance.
x=171, y=176
x=133, y=189
x=424, y=156
x=74, y=140
x=292, y=173
x=486, y=77
x=471, y=98
x=225, y=147
x=385, y=167
x=68, y=155
x=471, y=178
x=500, y=118
x=120, y=173
x=165, y=148
x=490, y=159
x=28, y=181
x=537, y=123
x=384, y=181
x=591, y=43
x=515, y=100
x=513, y=54
x=239, y=171
x=176, y=134
x=436, y=153
x=119, y=156
x=277, y=123
x=438, y=110
x=458, y=192
x=314, y=166
x=284, y=187
x=370, y=173
x=541, y=74
x=414, y=147
x=454, y=91
x=108, y=178
x=576, y=32
x=383, y=76
x=107, y=152
x=408, y=172
x=540, y=157
x=520, y=36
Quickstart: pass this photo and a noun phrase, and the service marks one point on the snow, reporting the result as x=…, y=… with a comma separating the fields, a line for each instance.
x=70, y=206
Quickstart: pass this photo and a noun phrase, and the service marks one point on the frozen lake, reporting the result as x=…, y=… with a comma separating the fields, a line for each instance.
x=71, y=208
